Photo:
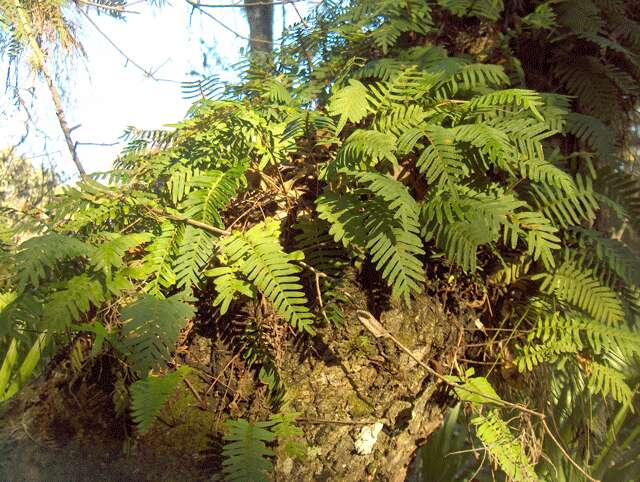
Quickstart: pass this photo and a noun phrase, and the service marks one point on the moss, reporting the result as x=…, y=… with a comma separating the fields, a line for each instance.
x=359, y=407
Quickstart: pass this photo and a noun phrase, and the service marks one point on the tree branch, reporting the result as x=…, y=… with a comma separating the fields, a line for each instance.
x=40, y=65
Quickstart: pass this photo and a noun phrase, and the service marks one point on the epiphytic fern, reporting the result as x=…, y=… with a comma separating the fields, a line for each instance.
x=259, y=256
x=150, y=394
x=577, y=286
x=75, y=298
x=109, y=255
x=386, y=226
x=503, y=447
x=209, y=193
x=161, y=253
x=150, y=331
x=195, y=248
x=38, y=255
x=246, y=452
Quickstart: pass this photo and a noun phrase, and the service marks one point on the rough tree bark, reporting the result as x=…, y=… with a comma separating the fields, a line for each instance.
x=260, y=17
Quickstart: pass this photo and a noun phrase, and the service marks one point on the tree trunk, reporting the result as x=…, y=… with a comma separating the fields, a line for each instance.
x=355, y=382
x=260, y=16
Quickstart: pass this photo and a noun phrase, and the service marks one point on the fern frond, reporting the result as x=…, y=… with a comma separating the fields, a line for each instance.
x=151, y=329
x=612, y=253
x=245, y=451
x=539, y=233
x=364, y=148
x=593, y=132
x=160, y=255
x=566, y=208
x=441, y=162
x=579, y=287
x=110, y=254
x=470, y=78
x=503, y=447
x=350, y=104
x=195, y=248
x=228, y=286
x=606, y=381
x=489, y=9
x=150, y=394
x=288, y=434
x=391, y=237
x=38, y=255
x=68, y=304
x=516, y=98
x=210, y=192
x=260, y=258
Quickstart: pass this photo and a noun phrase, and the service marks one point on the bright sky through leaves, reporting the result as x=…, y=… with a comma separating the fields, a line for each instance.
x=105, y=93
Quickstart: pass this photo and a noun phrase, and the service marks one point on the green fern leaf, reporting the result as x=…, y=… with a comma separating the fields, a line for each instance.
x=110, y=254
x=210, y=192
x=350, y=103
x=579, y=287
x=37, y=255
x=245, y=451
x=260, y=258
x=228, y=286
x=68, y=304
x=441, y=162
x=151, y=329
x=150, y=394
x=517, y=98
x=606, y=381
x=391, y=237
x=193, y=254
x=506, y=450
x=160, y=256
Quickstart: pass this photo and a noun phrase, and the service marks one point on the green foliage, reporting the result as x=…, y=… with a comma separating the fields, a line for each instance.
x=150, y=394
x=245, y=451
x=12, y=376
x=259, y=256
x=150, y=331
x=374, y=142
x=503, y=447
x=38, y=255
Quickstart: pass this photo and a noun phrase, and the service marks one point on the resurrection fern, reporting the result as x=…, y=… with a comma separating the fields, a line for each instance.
x=259, y=256
x=37, y=255
x=246, y=452
x=150, y=331
x=503, y=448
x=150, y=394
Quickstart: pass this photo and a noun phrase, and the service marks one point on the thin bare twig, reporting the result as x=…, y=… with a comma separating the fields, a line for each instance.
x=224, y=25
x=242, y=5
x=148, y=73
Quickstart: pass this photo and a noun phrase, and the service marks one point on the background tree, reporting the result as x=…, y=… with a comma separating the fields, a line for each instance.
x=260, y=17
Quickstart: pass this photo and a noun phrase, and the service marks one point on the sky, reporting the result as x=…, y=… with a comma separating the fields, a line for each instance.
x=104, y=93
